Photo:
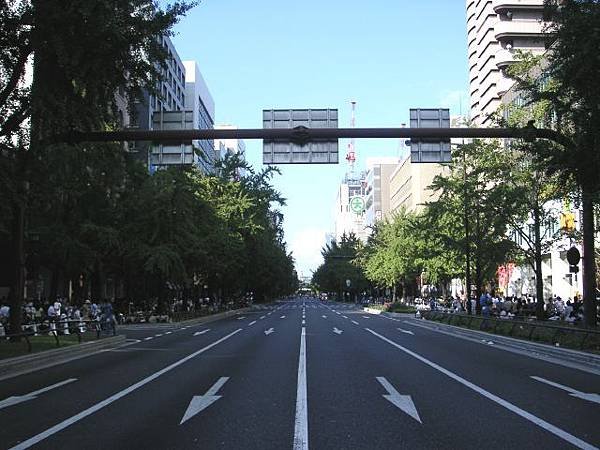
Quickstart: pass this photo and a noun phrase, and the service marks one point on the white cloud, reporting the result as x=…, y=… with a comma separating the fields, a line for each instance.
x=306, y=247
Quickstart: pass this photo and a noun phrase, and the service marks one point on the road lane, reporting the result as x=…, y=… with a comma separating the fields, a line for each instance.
x=259, y=368
x=586, y=429
x=508, y=375
x=99, y=376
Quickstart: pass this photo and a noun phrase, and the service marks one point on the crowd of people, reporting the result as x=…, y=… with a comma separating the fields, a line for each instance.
x=509, y=307
x=59, y=311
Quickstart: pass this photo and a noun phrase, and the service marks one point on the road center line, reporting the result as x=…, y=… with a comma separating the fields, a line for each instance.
x=515, y=409
x=91, y=410
x=301, y=424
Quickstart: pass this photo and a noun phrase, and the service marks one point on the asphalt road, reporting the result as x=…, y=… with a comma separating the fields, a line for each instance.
x=301, y=374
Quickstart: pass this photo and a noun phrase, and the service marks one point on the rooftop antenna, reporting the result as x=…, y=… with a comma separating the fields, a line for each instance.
x=351, y=155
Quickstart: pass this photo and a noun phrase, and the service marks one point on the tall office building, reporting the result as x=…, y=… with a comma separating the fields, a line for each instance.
x=199, y=100
x=225, y=147
x=377, y=189
x=169, y=96
x=495, y=30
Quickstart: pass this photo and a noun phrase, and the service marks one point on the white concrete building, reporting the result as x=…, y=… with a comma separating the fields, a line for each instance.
x=230, y=146
x=377, y=189
x=199, y=100
x=345, y=219
x=495, y=30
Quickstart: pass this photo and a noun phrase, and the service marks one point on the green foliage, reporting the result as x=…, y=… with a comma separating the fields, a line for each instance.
x=473, y=194
x=339, y=265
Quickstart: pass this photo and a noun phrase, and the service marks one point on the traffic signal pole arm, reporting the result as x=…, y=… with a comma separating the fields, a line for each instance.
x=303, y=135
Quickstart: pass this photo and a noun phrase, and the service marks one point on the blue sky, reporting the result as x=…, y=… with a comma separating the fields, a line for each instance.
x=388, y=55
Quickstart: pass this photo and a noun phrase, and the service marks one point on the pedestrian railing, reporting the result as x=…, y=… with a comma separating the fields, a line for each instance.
x=572, y=336
x=60, y=329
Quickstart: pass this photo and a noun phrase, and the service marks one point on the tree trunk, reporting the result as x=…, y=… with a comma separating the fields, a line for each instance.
x=17, y=290
x=589, y=269
x=539, y=282
x=98, y=283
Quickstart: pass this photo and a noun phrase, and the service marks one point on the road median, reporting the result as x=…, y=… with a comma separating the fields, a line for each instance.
x=11, y=367
x=586, y=361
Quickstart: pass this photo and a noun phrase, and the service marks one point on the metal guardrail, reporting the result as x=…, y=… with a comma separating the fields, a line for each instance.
x=57, y=329
x=578, y=337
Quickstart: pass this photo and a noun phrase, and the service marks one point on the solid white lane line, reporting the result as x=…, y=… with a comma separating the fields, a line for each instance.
x=252, y=323
x=355, y=322
x=505, y=404
x=91, y=410
x=149, y=338
x=301, y=423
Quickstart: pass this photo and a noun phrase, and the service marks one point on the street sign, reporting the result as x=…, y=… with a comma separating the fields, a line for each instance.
x=176, y=152
x=424, y=150
x=357, y=204
x=573, y=256
x=298, y=151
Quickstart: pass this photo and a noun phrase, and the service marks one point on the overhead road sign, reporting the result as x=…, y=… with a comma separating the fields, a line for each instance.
x=429, y=150
x=303, y=134
x=298, y=150
x=166, y=153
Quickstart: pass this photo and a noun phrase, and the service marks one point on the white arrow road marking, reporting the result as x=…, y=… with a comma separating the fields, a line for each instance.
x=113, y=398
x=269, y=331
x=355, y=322
x=574, y=440
x=336, y=331
x=282, y=317
x=252, y=323
x=572, y=392
x=200, y=402
x=404, y=402
x=324, y=317
x=406, y=331
x=23, y=398
x=201, y=332
x=241, y=318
